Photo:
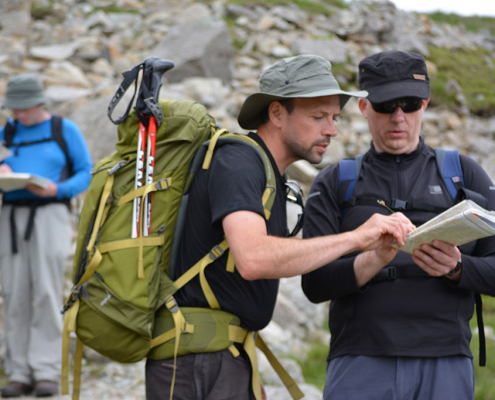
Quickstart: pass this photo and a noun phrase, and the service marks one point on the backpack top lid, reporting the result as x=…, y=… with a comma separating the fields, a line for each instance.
x=182, y=120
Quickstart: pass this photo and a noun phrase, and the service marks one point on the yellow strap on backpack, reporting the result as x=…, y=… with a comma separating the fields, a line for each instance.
x=287, y=380
x=70, y=327
x=211, y=146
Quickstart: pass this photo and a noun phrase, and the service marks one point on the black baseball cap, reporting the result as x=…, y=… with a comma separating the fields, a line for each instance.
x=394, y=74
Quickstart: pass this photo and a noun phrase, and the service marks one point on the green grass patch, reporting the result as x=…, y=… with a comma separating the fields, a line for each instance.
x=309, y=6
x=46, y=12
x=472, y=23
x=473, y=70
x=116, y=10
x=314, y=366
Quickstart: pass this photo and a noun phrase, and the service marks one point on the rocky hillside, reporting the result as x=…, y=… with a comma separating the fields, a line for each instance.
x=80, y=49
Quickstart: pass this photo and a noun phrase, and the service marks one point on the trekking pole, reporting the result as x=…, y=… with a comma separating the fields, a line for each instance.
x=138, y=180
x=150, y=166
x=157, y=69
x=147, y=108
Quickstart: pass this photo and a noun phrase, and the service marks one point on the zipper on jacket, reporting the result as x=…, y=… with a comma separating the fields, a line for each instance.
x=398, y=161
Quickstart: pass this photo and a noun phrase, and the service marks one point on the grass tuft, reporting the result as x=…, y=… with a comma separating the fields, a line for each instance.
x=473, y=70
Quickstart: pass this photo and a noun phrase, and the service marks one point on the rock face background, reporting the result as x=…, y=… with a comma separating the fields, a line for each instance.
x=79, y=49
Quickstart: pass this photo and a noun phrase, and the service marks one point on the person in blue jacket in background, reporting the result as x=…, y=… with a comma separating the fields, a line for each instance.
x=35, y=231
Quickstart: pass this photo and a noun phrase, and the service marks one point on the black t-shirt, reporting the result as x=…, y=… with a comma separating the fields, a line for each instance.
x=235, y=181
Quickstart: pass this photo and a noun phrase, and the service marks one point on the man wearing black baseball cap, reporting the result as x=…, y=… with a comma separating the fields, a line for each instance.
x=401, y=328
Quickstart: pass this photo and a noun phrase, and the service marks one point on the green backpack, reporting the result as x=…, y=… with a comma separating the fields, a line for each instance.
x=122, y=302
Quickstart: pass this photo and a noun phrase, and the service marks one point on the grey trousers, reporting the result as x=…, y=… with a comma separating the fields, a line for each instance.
x=32, y=282
x=400, y=378
x=210, y=376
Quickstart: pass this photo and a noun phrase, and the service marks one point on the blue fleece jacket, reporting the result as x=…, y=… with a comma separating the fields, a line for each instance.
x=47, y=159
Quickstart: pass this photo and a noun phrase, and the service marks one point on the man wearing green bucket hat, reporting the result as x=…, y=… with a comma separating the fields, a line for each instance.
x=36, y=232
x=294, y=115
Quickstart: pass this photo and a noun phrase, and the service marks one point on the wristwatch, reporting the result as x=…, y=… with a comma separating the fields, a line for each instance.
x=457, y=268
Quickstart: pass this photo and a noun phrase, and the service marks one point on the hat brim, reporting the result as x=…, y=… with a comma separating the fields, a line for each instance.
x=24, y=103
x=398, y=89
x=250, y=114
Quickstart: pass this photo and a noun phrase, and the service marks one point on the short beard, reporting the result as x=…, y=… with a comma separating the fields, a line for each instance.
x=300, y=152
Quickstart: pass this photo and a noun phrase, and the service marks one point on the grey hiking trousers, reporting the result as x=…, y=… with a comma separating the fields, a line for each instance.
x=32, y=282
x=400, y=378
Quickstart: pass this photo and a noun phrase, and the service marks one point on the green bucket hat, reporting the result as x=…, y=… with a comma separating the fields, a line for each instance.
x=24, y=91
x=299, y=76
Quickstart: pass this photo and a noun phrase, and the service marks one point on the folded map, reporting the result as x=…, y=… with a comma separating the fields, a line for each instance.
x=14, y=181
x=460, y=224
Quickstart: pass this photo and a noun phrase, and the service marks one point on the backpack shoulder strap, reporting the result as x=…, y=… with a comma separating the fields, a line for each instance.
x=223, y=136
x=9, y=133
x=59, y=138
x=202, y=159
x=449, y=168
x=349, y=171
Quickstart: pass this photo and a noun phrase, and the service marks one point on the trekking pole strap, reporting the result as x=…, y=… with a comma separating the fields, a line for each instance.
x=129, y=77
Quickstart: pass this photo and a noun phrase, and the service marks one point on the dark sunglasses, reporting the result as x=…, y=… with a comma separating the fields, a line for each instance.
x=295, y=195
x=407, y=104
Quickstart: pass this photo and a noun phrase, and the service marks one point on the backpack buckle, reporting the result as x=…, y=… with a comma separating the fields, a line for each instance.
x=172, y=305
x=72, y=299
x=399, y=204
x=216, y=252
x=159, y=186
x=385, y=274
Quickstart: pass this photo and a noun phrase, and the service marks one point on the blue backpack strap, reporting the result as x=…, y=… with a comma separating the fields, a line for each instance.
x=449, y=168
x=349, y=170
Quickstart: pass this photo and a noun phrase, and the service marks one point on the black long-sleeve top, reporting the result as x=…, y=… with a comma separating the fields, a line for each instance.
x=417, y=316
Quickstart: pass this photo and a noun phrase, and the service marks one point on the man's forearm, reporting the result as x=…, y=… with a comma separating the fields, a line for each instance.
x=275, y=257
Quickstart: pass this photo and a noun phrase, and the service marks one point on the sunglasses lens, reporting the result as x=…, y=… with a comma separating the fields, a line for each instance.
x=407, y=104
x=410, y=104
x=385, y=108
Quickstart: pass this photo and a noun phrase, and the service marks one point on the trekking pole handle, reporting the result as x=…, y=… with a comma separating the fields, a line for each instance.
x=159, y=67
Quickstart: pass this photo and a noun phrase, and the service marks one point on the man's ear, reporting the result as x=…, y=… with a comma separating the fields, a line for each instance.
x=363, y=104
x=425, y=104
x=275, y=112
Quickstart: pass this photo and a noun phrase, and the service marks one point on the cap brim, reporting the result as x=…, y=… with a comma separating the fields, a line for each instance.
x=396, y=90
x=250, y=114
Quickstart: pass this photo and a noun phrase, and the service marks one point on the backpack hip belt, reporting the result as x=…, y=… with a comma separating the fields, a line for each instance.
x=206, y=330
